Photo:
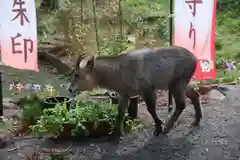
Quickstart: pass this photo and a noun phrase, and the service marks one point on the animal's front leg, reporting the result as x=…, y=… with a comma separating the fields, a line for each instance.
x=122, y=107
x=170, y=101
x=150, y=100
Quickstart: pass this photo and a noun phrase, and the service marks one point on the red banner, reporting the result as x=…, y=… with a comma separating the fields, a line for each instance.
x=18, y=34
x=194, y=29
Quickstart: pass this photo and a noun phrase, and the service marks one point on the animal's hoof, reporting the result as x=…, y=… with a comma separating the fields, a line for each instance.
x=169, y=110
x=157, y=131
x=3, y=144
x=195, y=123
x=115, y=139
x=166, y=130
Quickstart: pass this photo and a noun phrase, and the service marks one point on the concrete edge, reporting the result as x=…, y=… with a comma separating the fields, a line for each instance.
x=56, y=62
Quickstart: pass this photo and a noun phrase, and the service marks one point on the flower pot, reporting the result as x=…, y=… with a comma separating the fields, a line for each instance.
x=100, y=94
x=103, y=129
x=50, y=102
x=133, y=105
x=100, y=98
x=114, y=97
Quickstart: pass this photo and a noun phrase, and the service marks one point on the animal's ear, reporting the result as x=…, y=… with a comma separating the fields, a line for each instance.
x=87, y=62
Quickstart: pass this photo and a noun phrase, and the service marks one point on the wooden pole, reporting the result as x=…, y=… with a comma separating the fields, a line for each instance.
x=170, y=102
x=95, y=25
x=120, y=18
x=1, y=88
x=1, y=95
x=171, y=22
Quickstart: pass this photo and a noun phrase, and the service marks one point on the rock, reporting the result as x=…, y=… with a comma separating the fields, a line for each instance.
x=193, y=83
x=5, y=140
x=12, y=113
x=7, y=99
x=29, y=152
x=10, y=106
x=204, y=89
x=3, y=143
x=131, y=39
x=144, y=116
x=8, y=103
x=215, y=94
x=225, y=88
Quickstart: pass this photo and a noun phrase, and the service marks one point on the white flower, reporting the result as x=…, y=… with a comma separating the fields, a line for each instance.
x=19, y=86
x=36, y=87
x=11, y=86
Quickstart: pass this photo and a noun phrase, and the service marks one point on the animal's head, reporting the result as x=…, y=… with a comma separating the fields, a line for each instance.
x=82, y=78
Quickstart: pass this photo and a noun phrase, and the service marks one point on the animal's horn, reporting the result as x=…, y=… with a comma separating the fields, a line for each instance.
x=84, y=62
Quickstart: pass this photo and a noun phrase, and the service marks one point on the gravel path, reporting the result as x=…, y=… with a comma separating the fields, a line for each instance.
x=218, y=137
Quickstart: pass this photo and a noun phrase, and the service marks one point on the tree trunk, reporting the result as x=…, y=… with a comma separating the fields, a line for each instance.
x=50, y=4
x=95, y=24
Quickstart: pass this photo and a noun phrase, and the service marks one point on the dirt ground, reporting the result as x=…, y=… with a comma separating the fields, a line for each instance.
x=218, y=137
x=47, y=75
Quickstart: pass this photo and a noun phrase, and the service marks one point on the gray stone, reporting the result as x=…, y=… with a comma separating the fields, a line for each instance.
x=10, y=106
x=9, y=103
x=226, y=87
x=144, y=116
x=12, y=113
x=215, y=94
x=193, y=83
x=7, y=100
x=29, y=152
x=132, y=39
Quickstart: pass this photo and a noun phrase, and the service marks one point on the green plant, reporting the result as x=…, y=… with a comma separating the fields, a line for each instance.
x=31, y=109
x=220, y=62
x=54, y=119
x=57, y=156
x=225, y=77
x=132, y=125
x=32, y=106
x=51, y=120
x=218, y=44
x=115, y=46
x=229, y=5
x=162, y=29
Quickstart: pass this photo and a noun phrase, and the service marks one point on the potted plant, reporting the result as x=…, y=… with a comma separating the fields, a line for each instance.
x=100, y=95
x=31, y=109
x=104, y=95
x=133, y=105
x=86, y=119
x=52, y=100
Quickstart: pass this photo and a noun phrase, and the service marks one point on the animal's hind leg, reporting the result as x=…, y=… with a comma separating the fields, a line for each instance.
x=122, y=107
x=170, y=102
x=150, y=100
x=178, y=89
x=193, y=95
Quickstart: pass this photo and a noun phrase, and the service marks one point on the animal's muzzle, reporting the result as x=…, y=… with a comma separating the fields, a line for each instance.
x=72, y=92
x=69, y=90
